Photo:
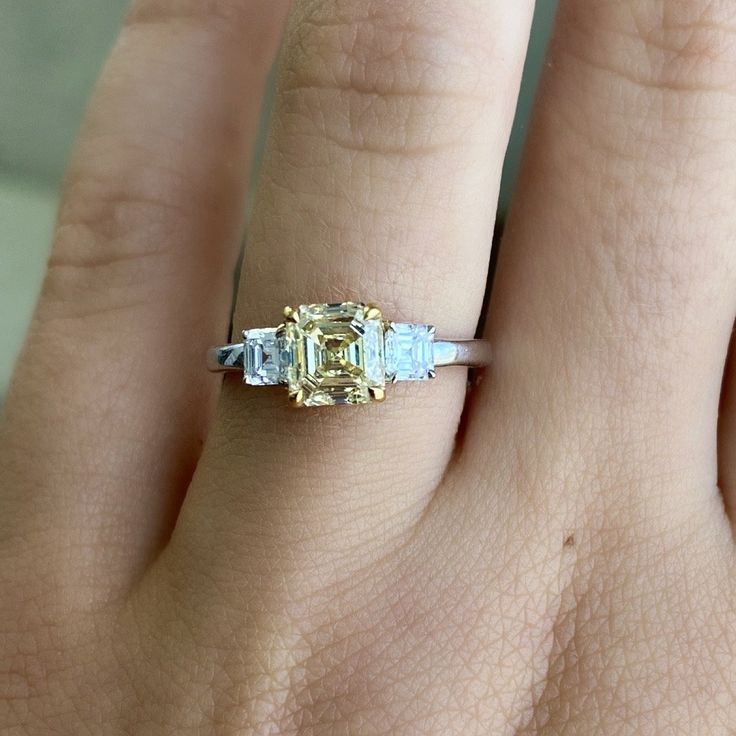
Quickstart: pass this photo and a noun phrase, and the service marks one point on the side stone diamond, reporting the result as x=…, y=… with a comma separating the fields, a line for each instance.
x=409, y=352
x=373, y=347
x=261, y=359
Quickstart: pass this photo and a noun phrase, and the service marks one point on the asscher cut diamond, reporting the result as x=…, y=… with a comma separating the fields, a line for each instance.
x=409, y=351
x=261, y=357
x=333, y=354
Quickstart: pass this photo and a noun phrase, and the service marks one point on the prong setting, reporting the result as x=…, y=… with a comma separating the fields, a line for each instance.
x=378, y=394
x=297, y=399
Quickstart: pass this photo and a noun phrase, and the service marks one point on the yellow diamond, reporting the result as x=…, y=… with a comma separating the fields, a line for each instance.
x=334, y=354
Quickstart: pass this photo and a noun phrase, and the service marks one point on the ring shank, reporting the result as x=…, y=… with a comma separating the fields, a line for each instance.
x=471, y=353
x=226, y=358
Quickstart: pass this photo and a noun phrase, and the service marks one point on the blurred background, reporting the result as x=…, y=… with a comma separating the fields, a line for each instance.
x=50, y=54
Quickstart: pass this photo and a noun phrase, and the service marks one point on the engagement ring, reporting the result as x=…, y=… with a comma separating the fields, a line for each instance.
x=332, y=354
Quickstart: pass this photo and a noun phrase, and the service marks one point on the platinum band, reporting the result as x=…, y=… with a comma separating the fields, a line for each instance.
x=469, y=353
x=226, y=358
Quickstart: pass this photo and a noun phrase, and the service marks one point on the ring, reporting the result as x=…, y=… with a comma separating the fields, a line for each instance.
x=337, y=354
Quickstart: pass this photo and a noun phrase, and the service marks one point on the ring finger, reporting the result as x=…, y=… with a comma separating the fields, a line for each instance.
x=379, y=184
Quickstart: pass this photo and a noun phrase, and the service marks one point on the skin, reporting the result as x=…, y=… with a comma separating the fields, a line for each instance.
x=548, y=553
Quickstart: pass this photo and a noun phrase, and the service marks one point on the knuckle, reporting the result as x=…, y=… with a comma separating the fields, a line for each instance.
x=650, y=98
x=251, y=27
x=386, y=76
x=233, y=13
x=676, y=46
x=691, y=45
x=114, y=241
x=102, y=225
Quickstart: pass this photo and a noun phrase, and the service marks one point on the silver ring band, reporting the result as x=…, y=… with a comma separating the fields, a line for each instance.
x=226, y=358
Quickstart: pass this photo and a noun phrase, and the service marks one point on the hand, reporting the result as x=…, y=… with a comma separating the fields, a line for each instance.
x=548, y=554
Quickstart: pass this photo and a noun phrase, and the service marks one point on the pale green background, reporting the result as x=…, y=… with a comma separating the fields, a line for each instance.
x=50, y=53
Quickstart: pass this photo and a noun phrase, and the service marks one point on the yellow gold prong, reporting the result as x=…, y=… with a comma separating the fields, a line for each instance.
x=373, y=312
x=377, y=393
x=291, y=314
x=297, y=399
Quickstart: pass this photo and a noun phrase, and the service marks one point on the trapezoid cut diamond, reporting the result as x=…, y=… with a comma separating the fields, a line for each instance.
x=335, y=355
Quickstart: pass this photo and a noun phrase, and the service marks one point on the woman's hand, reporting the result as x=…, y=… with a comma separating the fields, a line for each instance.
x=548, y=554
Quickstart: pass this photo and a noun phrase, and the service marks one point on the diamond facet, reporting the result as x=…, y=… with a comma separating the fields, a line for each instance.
x=409, y=352
x=333, y=354
x=262, y=364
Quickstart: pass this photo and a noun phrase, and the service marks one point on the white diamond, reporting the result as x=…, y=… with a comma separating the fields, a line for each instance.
x=373, y=347
x=286, y=357
x=409, y=352
x=262, y=364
